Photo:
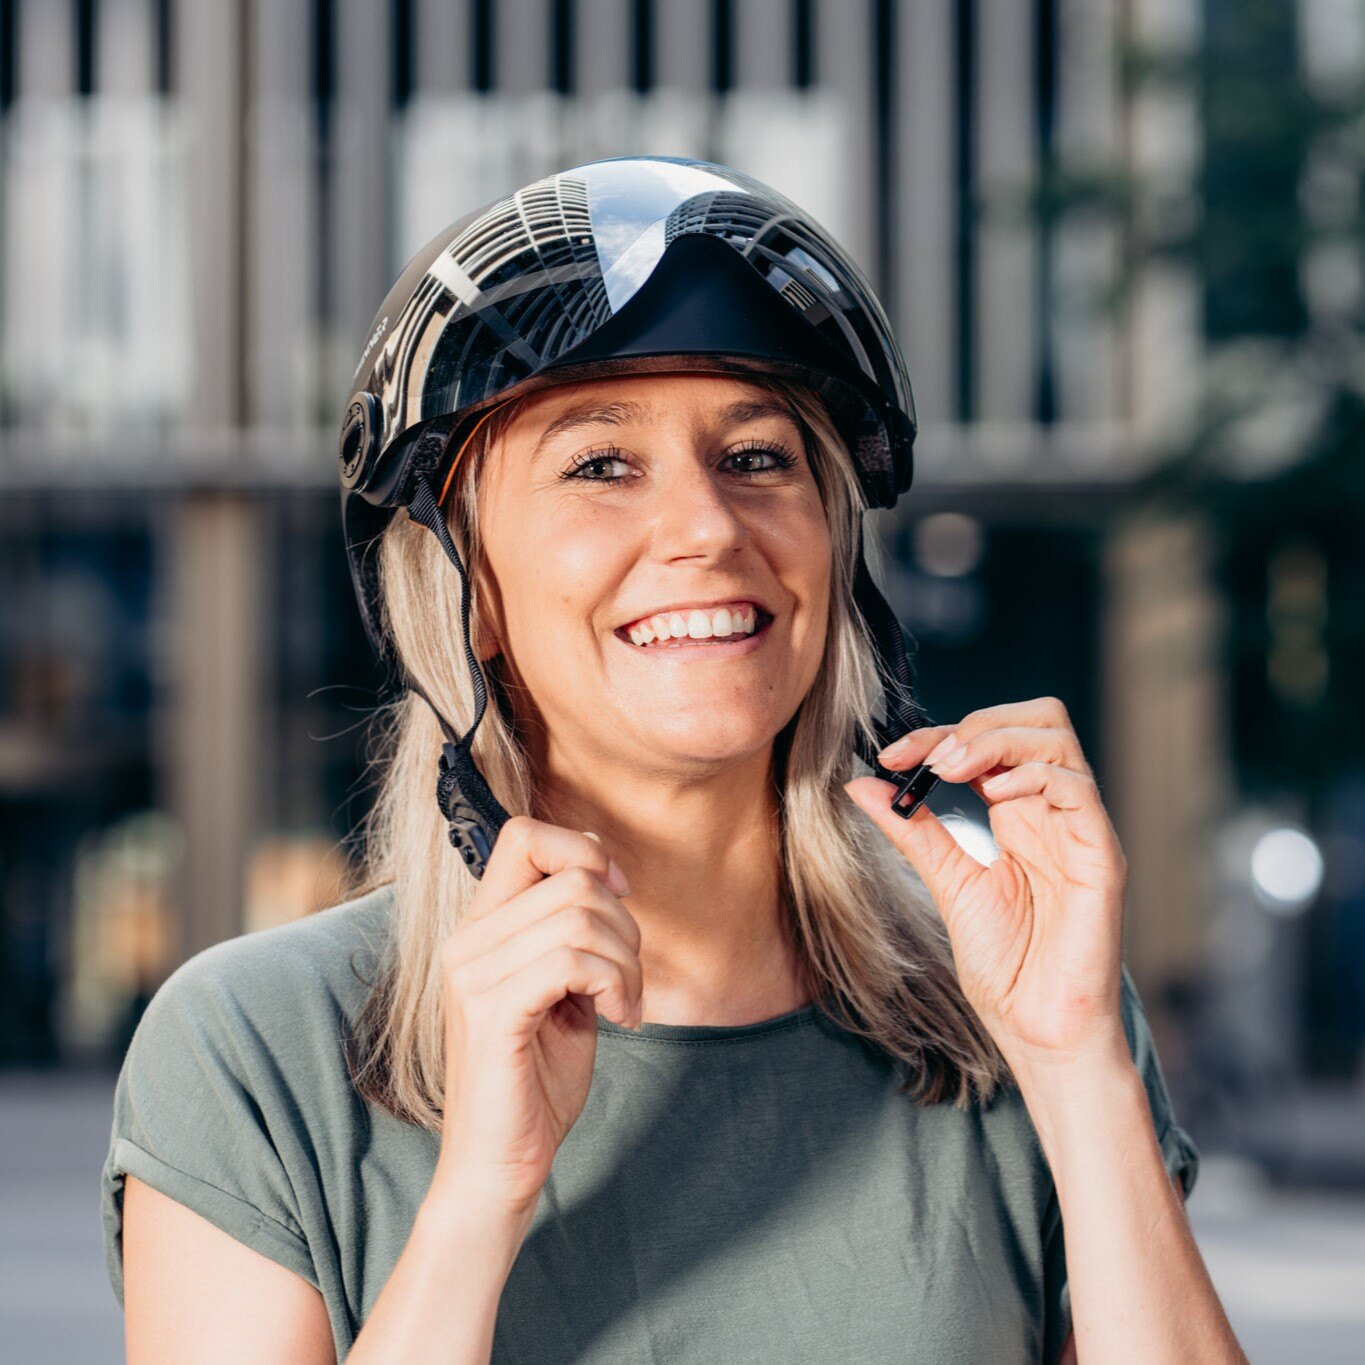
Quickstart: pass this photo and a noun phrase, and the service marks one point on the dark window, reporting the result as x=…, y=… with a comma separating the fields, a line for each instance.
x=1256, y=125
x=642, y=45
x=722, y=45
x=481, y=45
x=402, y=52
x=163, y=34
x=561, y=46
x=883, y=61
x=964, y=263
x=9, y=35
x=1045, y=106
x=85, y=47
x=803, y=43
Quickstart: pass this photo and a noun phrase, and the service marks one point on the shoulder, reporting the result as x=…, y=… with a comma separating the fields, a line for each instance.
x=329, y=950
x=282, y=987
x=235, y=1080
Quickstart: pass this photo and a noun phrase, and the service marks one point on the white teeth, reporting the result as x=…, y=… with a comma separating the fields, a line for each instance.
x=696, y=625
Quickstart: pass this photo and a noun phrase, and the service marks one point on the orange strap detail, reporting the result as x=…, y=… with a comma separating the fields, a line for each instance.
x=464, y=445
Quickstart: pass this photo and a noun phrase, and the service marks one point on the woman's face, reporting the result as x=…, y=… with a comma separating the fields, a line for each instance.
x=607, y=503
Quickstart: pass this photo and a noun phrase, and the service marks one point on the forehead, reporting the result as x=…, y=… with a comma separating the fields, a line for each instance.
x=646, y=399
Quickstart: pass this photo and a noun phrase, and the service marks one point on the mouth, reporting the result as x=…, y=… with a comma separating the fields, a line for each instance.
x=735, y=628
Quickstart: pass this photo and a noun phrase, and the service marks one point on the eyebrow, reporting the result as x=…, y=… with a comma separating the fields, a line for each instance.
x=622, y=412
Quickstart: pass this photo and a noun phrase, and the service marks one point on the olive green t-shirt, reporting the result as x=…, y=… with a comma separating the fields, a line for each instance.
x=757, y=1193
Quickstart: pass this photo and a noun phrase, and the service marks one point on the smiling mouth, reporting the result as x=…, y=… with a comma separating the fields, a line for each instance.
x=717, y=643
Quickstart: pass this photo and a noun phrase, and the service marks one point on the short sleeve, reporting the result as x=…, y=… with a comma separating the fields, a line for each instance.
x=1178, y=1152
x=187, y=1120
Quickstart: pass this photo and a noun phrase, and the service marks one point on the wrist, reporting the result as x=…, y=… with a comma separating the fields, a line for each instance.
x=458, y=1210
x=1103, y=1054
x=1096, y=1098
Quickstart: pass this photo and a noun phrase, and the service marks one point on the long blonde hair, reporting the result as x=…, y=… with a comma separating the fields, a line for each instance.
x=867, y=933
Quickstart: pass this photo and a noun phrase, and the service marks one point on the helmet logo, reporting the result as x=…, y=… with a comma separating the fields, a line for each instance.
x=379, y=329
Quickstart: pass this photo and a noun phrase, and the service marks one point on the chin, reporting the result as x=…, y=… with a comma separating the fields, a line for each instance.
x=703, y=743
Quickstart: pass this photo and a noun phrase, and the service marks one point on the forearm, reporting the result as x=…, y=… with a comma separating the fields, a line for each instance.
x=440, y=1302
x=1139, y=1288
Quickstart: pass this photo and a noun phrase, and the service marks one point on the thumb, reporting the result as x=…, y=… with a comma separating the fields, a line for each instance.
x=923, y=839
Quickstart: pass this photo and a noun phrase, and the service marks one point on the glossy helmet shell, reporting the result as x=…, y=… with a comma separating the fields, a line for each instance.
x=615, y=266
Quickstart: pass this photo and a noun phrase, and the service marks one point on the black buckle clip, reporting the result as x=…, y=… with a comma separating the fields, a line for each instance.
x=917, y=784
x=467, y=833
x=468, y=840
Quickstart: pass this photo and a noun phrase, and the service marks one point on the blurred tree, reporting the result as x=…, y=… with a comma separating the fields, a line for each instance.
x=1272, y=226
x=1269, y=227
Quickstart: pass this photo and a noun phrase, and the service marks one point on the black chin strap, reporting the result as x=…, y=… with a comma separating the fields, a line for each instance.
x=475, y=814
x=903, y=712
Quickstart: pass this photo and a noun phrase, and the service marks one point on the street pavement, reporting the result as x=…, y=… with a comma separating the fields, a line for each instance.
x=1289, y=1265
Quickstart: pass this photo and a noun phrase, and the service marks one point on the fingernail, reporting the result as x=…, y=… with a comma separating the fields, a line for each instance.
x=616, y=879
x=896, y=748
x=939, y=753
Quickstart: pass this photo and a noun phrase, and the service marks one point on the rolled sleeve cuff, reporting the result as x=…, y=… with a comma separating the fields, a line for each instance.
x=240, y=1220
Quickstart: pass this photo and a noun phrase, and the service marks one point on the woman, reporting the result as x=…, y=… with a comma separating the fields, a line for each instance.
x=741, y=1059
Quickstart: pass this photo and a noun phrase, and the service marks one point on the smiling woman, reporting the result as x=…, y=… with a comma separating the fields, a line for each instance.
x=727, y=757
x=650, y=517
x=686, y=1054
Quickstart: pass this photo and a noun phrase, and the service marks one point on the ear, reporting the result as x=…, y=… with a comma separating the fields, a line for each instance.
x=488, y=633
x=486, y=647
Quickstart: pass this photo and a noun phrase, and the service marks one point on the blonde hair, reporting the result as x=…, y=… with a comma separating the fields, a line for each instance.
x=866, y=930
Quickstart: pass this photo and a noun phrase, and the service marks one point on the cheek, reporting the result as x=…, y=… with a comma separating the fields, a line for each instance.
x=570, y=569
x=802, y=549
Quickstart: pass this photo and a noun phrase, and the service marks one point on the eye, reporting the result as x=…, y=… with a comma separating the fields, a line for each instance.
x=782, y=457
x=612, y=455
x=591, y=464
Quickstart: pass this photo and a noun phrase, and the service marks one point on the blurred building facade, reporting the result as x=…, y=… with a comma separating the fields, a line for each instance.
x=201, y=206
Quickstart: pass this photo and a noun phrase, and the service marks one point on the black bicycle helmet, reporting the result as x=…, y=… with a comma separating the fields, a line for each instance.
x=623, y=265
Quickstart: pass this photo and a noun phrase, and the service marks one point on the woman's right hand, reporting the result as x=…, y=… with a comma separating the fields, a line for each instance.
x=545, y=943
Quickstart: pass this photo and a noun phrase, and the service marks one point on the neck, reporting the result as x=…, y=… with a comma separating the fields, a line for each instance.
x=703, y=860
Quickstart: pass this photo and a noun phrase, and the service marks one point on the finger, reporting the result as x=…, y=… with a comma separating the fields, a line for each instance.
x=1075, y=795
x=1060, y=787
x=574, y=926
x=1047, y=712
x=1040, y=712
x=1008, y=747
x=923, y=840
x=909, y=750
x=571, y=886
x=564, y=970
x=528, y=850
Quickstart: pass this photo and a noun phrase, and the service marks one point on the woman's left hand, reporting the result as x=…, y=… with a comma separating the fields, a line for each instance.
x=1036, y=935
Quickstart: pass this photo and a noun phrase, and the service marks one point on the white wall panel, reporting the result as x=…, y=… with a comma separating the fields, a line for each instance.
x=1006, y=309
x=925, y=189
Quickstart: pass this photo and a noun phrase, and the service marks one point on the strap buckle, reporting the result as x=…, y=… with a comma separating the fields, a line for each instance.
x=917, y=783
x=468, y=834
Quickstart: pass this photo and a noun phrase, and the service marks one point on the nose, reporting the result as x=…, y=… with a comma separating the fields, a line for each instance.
x=696, y=514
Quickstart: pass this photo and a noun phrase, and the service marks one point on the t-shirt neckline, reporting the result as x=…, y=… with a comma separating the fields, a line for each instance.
x=711, y=1033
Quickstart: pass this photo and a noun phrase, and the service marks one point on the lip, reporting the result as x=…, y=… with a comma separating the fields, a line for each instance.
x=685, y=607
